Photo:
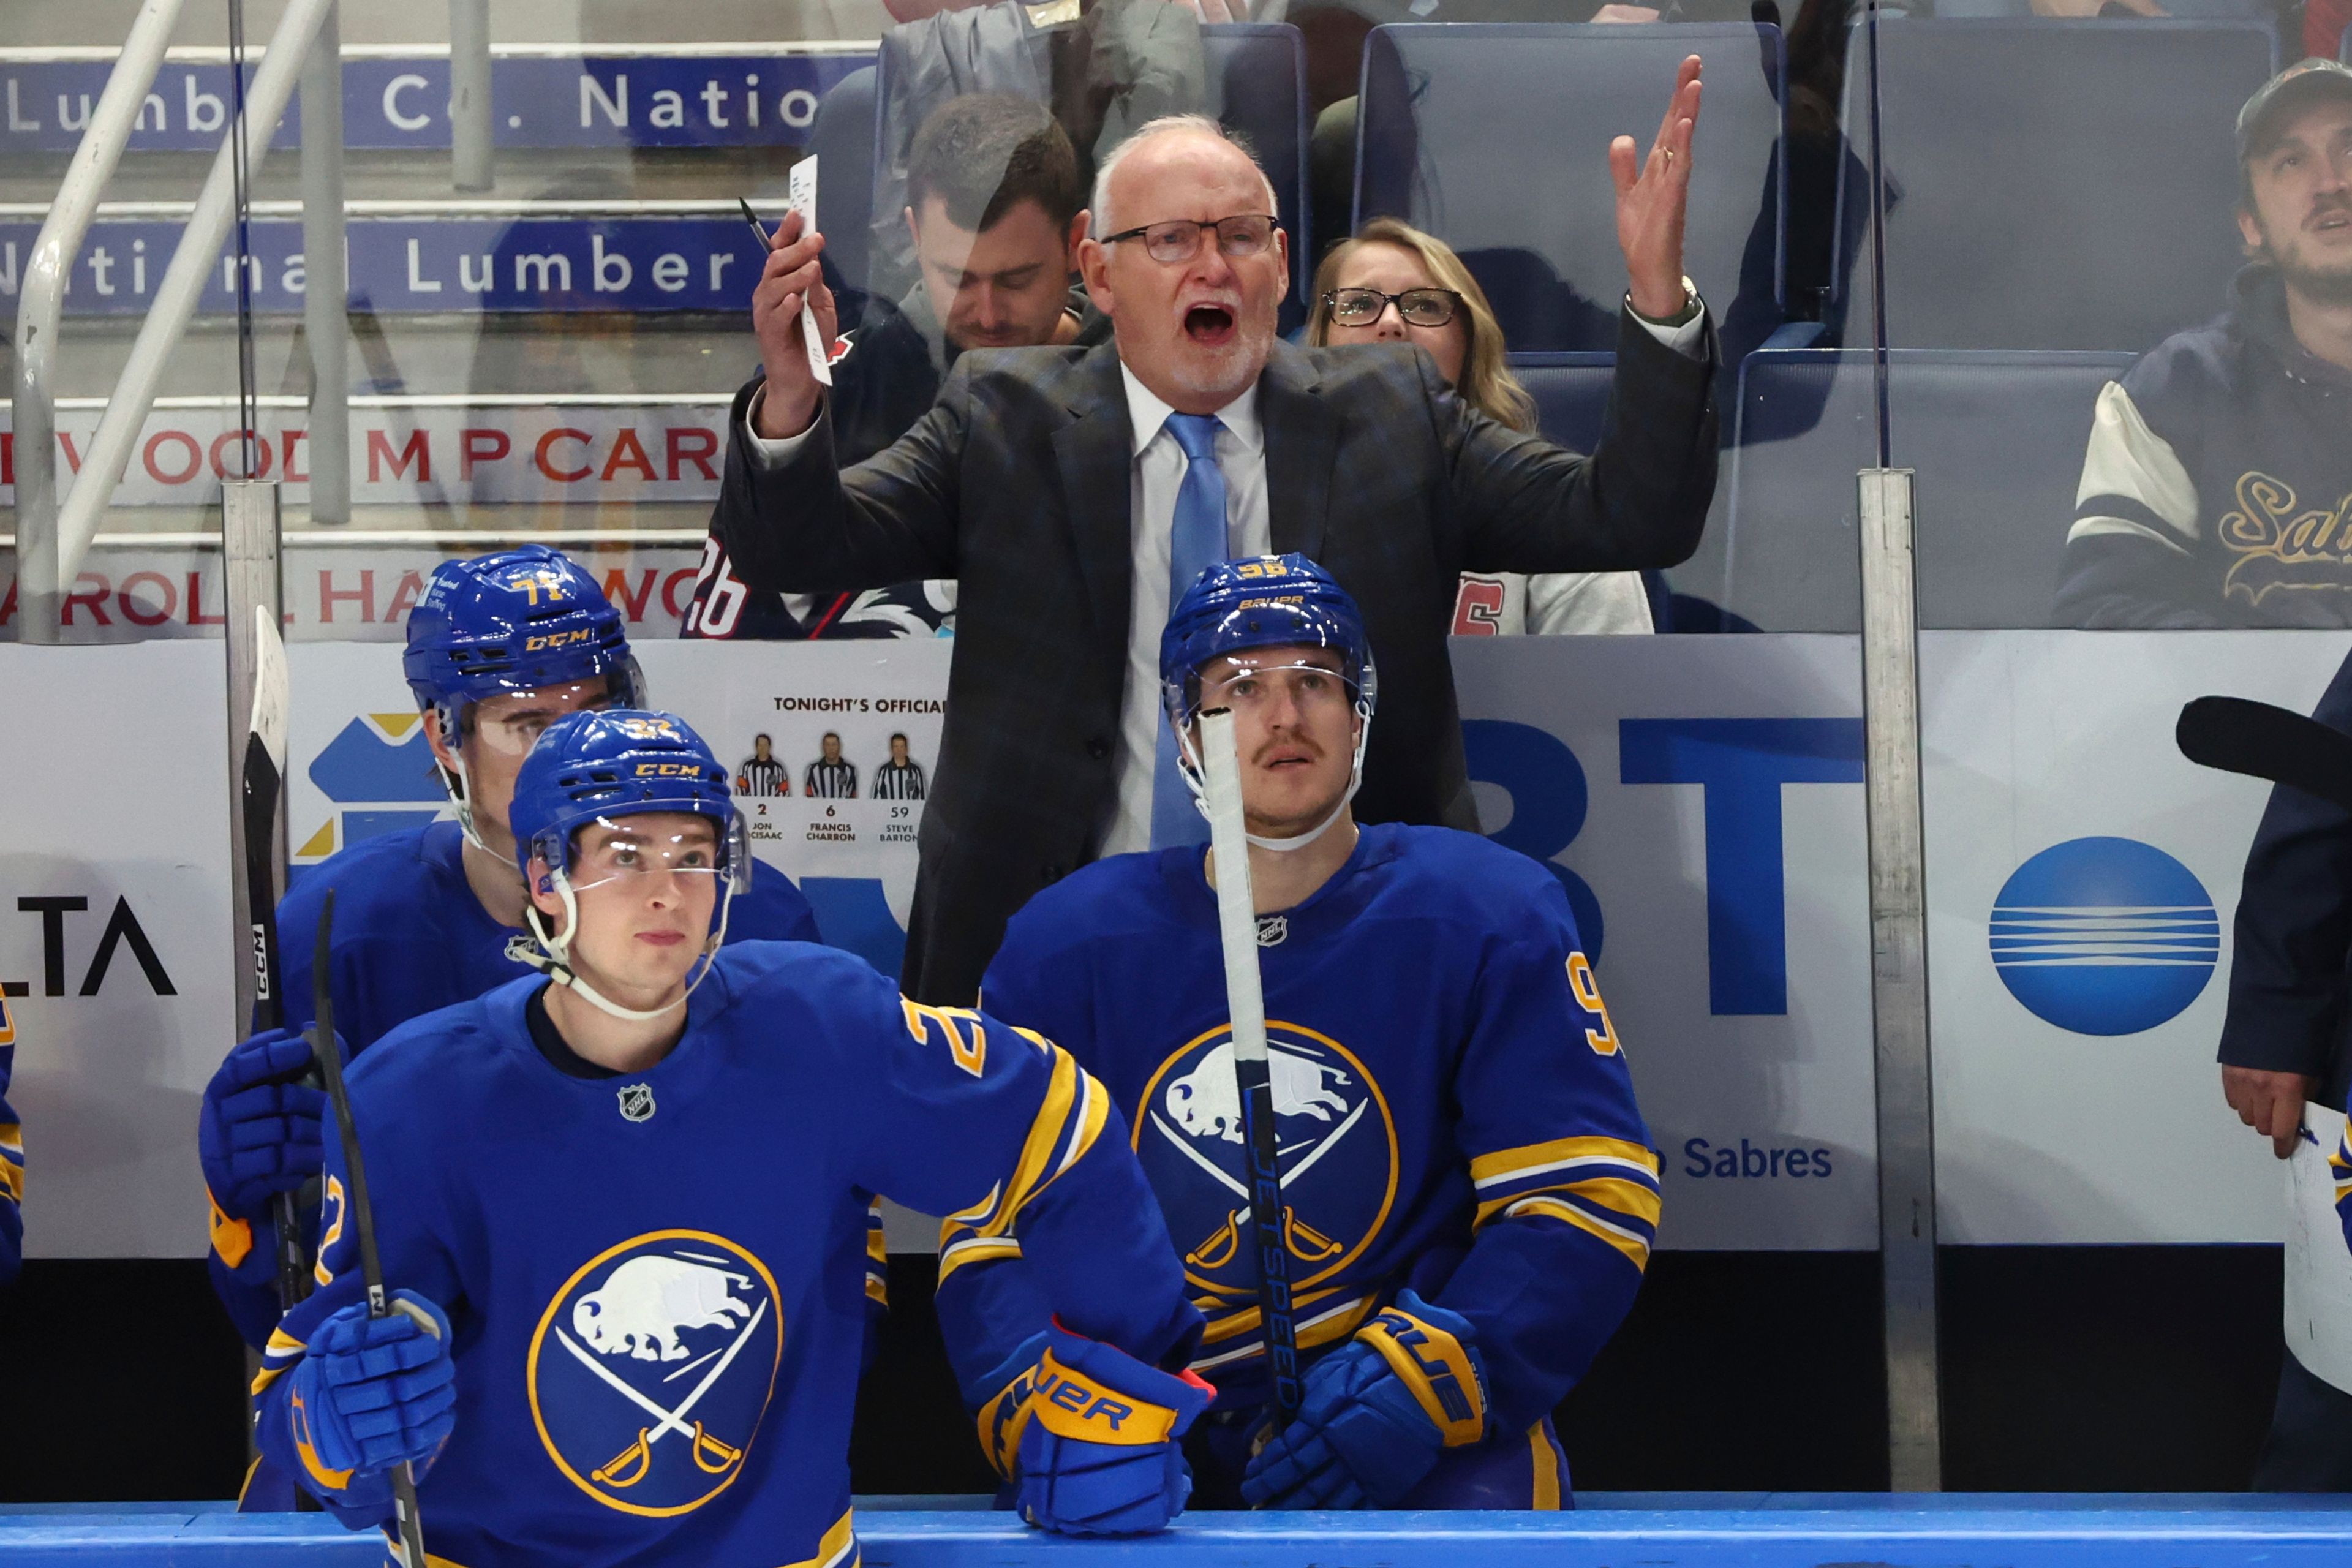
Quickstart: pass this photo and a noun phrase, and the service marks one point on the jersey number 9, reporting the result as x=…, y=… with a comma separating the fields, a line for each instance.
x=1603, y=1040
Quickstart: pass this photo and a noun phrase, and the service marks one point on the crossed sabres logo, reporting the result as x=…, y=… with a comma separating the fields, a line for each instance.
x=672, y=1334
x=1335, y=1137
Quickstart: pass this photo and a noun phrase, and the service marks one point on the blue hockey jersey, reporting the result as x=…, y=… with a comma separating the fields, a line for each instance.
x=12, y=1158
x=1454, y=1109
x=656, y=1281
x=411, y=938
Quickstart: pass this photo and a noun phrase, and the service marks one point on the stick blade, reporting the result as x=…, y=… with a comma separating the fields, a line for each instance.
x=2237, y=735
x=271, y=692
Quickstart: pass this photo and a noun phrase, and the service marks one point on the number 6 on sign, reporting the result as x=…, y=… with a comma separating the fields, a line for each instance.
x=1603, y=1040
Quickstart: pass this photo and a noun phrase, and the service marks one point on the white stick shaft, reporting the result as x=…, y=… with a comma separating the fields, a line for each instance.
x=1220, y=770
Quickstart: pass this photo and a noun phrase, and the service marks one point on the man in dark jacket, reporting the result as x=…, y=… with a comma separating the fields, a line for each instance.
x=1067, y=490
x=995, y=200
x=2217, y=490
x=2285, y=1070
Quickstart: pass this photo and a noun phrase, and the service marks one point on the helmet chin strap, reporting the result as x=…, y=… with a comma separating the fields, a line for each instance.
x=1190, y=768
x=553, y=955
x=460, y=788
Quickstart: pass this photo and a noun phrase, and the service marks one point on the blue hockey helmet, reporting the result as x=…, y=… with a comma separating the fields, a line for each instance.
x=1264, y=602
x=611, y=762
x=514, y=620
x=1261, y=601
x=602, y=766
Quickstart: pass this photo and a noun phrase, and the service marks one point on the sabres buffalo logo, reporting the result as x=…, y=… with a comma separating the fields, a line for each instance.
x=1334, y=1136
x=652, y=1367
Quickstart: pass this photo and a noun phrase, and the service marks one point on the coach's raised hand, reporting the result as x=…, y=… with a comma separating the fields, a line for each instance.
x=1653, y=198
x=789, y=404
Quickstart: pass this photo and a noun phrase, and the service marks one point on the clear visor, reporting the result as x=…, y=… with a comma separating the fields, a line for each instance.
x=635, y=847
x=1249, y=686
x=510, y=724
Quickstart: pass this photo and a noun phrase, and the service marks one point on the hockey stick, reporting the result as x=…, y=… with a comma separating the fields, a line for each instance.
x=411, y=1546
x=265, y=764
x=1246, y=1007
x=2241, y=736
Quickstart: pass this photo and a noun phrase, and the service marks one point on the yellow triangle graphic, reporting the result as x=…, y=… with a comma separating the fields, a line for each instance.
x=321, y=843
x=396, y=725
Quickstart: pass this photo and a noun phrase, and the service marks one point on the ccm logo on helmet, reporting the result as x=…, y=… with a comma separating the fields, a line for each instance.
x=669, y=770
x=558, y=639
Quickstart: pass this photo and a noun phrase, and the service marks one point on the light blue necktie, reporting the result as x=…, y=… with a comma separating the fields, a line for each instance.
x=1195, y=539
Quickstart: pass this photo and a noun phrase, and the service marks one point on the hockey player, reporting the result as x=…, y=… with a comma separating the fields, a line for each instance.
x=499, y=646
x=1469, y=1191
x=630, y=1199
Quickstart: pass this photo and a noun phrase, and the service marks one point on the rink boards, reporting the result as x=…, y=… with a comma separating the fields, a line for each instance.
x=1671, y=1531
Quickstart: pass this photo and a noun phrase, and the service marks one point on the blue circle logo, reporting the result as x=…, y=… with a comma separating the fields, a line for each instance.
x=2104, y=936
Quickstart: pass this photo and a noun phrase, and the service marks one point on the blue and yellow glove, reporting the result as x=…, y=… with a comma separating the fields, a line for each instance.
x=373, y=1392
x=261, y=1129
x=1098, y=1450
x=1377, y=1413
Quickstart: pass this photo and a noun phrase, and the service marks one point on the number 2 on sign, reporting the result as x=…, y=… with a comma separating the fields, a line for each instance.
x=1603, y=1040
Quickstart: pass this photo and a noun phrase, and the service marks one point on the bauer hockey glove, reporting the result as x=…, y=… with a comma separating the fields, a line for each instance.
x=1099, y=1453
x=373, y=1392
x=261, y=1131
x=1377, y=1414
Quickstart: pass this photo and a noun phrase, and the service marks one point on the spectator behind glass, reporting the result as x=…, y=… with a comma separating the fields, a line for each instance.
x=994, y=215
x=1103, y=68
x=2216, y=489
x=1392, y=258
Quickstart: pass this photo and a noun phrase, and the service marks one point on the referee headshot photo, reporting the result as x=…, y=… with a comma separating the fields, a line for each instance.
x=829, y=777
x=901, y=778
x=761, y=772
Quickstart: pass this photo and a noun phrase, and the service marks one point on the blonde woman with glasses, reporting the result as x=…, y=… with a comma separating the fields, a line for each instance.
x=1392, y=283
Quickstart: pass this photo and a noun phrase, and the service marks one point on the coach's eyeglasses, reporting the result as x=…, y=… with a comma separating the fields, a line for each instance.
x=1178, y=240
x=1417, y=307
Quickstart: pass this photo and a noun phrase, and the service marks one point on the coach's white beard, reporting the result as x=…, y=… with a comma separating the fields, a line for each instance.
x=1226, y=373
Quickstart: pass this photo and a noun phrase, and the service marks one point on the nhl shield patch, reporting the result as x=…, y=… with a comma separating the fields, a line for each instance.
x=636, y=1102
x=652, y=1367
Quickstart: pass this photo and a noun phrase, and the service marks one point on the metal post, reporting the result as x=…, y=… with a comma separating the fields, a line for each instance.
x=250, y=576
x=1898, y=980
x=470, y=95
x=33, y=414
x=325, y=275
x=196, y=259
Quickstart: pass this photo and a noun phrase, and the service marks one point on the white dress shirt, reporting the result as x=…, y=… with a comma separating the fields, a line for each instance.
x=1158, y=473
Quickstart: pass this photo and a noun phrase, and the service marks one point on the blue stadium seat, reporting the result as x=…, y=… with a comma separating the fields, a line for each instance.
x=1996, y=438
x=2053, y=184
x=1571, y=392
x=1258, y=71
x=1496, y=138
x=1257, y=77
x=842, y=139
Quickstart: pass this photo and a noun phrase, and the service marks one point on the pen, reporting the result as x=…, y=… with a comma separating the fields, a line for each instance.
x=753, y=219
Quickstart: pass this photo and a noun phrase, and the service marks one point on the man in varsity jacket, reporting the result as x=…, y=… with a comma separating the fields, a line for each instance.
x=2217, y=489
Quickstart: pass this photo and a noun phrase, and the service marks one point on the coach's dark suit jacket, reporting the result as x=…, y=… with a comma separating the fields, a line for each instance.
x=1017, y=485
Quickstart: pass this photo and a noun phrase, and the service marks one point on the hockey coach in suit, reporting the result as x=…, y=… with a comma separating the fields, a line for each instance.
x=1067, y=490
